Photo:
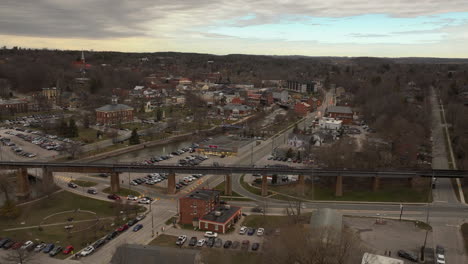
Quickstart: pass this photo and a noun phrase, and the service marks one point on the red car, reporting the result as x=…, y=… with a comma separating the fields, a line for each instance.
x=68, y=250
x=122, y=228
x=17, y=245
x=113, y=197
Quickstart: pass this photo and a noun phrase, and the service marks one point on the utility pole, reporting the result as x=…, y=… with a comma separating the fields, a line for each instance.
x=401, y=210
x=152, y=220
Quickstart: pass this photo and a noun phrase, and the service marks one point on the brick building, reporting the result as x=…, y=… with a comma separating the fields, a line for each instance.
x=13, y=106
x=340, y=112
x=220, y=219
x=197, y=204
x=114, y=113
x=302, y=108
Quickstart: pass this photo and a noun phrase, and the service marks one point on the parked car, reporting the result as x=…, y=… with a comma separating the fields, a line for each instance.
x=68, y=249
x=440, y=255
x=255, y=246
x=245, y=244
x=227, y=244
x=99, y=243
x=55, y=251
x=260, y=231
x=251, y=231
x=112, y=235
x=87, y=251
x=122, y=228
x=201, y=242
x=235, y=244
x=48, y=248
x=4, y=241
x=140, y=216
x=407, y=255
x=16, y=245
x=210, y=242
x=218, y=242
x=193, y=241
x=132, y=198
x=144, y=201
x=27, y=245
x=92, y=191
x=8, y=245
x=72, y=185
x=181, y=240
x=40, y=247
x=242, y=230
x=211, y=234
x=132, y=222
x=137, y=227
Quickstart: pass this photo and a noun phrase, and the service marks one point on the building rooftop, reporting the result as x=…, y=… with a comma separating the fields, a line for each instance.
x=339, y=109
x=114, y=107
x=202, y=194
x=221, y=214
x=12, y=101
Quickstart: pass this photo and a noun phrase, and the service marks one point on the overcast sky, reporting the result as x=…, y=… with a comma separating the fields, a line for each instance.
x=390, y=28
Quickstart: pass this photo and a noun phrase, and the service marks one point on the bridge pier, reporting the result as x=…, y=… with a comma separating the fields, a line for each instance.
x=48, y=183
x=23, y=189
x=375, y=183
x=171, y=189
x=264, y=185
x=339, y=186
x=228, y=185
x=301, y=185
x=115, y=182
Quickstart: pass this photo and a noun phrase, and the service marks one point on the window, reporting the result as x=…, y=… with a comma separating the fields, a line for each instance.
x=206, y=225
x=216, y=227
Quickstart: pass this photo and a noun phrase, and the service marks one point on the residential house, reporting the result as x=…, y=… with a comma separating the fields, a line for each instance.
x=299, y=141
x=235, y=111
x=330, y=123
x=281, y=96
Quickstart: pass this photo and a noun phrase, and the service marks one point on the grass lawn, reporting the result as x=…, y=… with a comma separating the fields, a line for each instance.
x=464, y=231
x=220, y=187
x=164, y=241
x=171, y=220
x=102, y=150
x=88, y=135
x=251, y=189
x=138, y=126
x=388, y=194
x=210, y=256
x=123, y=192
x=272, y=221
x=84, y=183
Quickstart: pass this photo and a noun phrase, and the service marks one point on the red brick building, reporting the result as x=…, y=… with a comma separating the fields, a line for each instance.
x=220, y=219
x=13, y=106
x=114, y=113
x=341, y=113
x=197, y=204
x=302, y=108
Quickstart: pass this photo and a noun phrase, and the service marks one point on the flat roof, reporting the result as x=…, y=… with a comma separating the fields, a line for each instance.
x=202, y=194
x=226, y=213
x=339, y=109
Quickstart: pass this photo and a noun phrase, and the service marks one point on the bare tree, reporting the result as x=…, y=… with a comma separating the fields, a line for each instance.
x=18, y=256
x=73, y=149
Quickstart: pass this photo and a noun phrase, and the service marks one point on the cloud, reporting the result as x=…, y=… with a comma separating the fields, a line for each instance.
x=359, y=35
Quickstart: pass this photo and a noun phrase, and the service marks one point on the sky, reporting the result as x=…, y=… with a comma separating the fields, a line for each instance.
x=380, y=28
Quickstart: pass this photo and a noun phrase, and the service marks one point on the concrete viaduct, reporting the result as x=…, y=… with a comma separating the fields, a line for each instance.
x=23, y=188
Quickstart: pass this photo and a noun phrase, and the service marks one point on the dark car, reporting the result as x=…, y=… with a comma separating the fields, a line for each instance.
x=99, y=243
x=112, y=235
x=92, y=191
x=55, y=251
x=193, y=241
x=137, y=227
x=17, y=245
x=251, y=231
x=235, y=244
x=440, y=250
x=48, y=248
x=113, y=197
x=245, y=244
x=227, y=244
x=218, y=242
x=8, y=245
x=407, y=255
x=4, y=241
x=255, y=246
x=72, y=185
x=210, y=242
x=132, y=222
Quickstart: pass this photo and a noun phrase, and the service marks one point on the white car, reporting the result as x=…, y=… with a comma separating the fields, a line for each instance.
x=440, y=259
x=181, y=240
x=154, y=175
x=87, y=251
x=144, y=201
x=132, y=198
x=140, y=216
x=260, y=231
x=134, y=183
x=27, y=245
x=211, y=234
x=242, y=230
x=201, y=242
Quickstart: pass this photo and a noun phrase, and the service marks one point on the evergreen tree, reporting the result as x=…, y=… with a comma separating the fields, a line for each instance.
x=290, y=153
x=63, y=128
x=134, y=138
x=86, y=121
x=158, y=116
x=72, y=129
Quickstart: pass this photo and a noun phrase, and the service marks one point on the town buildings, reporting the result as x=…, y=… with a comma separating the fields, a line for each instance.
x=343, y=113
x=13, y=106
x=302, y=108
x=197, y=204
x=220, y=219
x=114, y=113
x=330, y=123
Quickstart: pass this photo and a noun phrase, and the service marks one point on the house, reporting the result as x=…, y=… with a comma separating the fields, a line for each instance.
x=330, y=123
x=196, y=204
x=302, y=108
x=340, y=112
x=235, y=111
x=114, y=113
x=299, y=141
x=221, y=219
x=281, y=96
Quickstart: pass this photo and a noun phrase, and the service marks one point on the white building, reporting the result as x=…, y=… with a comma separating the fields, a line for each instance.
x=330, y=123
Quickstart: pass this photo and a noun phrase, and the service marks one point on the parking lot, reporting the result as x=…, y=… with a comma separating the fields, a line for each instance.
x=20, y=145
